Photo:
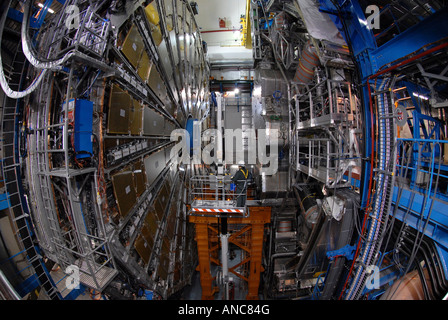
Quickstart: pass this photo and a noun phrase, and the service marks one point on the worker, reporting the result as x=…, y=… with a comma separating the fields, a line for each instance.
x=241, y=180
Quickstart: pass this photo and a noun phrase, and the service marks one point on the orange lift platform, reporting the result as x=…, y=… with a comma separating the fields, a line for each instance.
x=213, y=211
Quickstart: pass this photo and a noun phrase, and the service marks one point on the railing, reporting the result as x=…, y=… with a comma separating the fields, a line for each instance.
x=215, y=195
x=327, y=102
x=422, y=165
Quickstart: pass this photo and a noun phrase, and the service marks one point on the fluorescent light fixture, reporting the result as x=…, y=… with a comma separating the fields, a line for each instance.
x=420, y=96
x=41, y=5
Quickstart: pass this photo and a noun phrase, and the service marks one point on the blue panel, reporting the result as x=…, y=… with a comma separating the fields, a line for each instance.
x=356, y=33
x=362, y=42
x=83, y=128
x=15, y=15
x=75, y=293
x=437, y=226
x=189, y=128
x=28, y=285
x=4, y=203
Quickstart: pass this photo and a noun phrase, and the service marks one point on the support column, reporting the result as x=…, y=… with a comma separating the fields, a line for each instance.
x=256, y=252
x=204, y=261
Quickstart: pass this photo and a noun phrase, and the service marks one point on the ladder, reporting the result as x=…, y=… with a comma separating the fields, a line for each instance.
x=19, y=213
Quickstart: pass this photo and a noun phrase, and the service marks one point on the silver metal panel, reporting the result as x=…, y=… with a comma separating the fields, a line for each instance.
x=153, y=122
x=169, y=106
x=167, y=153
x=169, y=127
x=172, y=36
x=157, y=85
x=154, y=164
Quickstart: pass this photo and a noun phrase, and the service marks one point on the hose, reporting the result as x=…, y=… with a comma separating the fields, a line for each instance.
x=308, y=61
x=3, y=82
x=29, y=51
x=420, y=273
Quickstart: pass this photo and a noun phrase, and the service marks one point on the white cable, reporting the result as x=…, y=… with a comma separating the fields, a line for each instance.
x=27, y=50
x=4, y=83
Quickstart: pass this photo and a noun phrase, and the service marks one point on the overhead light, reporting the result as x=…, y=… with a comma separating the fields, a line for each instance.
x=420, y=96
x=236, y=91
x=41, y=6
x=257, y=91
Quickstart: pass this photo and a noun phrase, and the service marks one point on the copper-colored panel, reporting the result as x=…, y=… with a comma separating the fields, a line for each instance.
x=133, y=46
x=156, y=34
x=124, y=191
x=165, y=189
x=139, y=178
x=144, y=66
x=146, y=233
x=171, y=222
x=177, y=273
x=151, y=223
x=165, y=246
x=118, y=114
x=136, y=118
x=143, y=249
x=164, y=262
x=159, y=205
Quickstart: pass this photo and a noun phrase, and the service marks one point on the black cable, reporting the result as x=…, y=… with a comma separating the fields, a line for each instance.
x=421, y=275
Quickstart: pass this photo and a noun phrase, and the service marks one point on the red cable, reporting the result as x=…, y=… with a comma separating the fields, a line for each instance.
x=420, y=55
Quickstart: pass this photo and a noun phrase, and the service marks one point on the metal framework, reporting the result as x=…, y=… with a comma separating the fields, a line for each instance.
x=384, y=183
x=110, y=203
x=247, y=233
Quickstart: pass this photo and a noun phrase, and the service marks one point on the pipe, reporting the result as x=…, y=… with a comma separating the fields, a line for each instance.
x=28, y=50
x=308, y=61
x=7, y=291
x=224, y=263
x=222, y=30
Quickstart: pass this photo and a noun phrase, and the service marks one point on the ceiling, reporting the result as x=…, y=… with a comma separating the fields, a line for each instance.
x=224, y=43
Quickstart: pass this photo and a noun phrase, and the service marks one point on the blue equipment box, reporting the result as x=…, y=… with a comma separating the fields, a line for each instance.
x=81, y=112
